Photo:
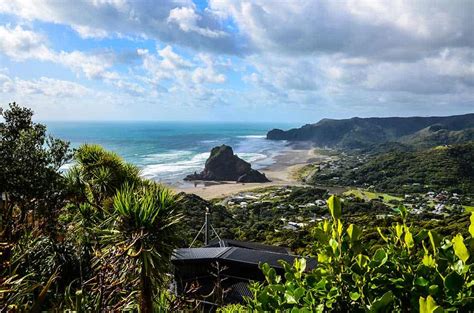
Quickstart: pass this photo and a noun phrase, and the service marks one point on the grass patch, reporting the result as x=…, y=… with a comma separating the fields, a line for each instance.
x=368, y=195
x=305, y=171
x=468, y=208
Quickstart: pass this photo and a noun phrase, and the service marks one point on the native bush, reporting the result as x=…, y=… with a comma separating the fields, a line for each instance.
x=419, y=272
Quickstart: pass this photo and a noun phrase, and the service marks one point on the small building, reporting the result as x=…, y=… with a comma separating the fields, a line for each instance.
x=223, y=268
x=320, y=202
x=233, y=263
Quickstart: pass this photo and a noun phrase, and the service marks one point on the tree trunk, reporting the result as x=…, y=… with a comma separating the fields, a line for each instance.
x=146, y=296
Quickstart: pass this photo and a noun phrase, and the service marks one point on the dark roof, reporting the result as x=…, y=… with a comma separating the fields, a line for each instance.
x=236, y=254
x=239, y=290
x=248, y=245
x=197, y=253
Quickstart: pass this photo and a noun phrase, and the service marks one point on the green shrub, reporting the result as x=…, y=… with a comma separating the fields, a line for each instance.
x=410, y=271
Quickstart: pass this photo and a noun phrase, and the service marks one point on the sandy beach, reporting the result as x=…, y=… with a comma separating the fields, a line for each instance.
x=281, y=173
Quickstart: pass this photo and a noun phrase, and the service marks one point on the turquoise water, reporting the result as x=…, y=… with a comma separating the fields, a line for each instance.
x=168, y=151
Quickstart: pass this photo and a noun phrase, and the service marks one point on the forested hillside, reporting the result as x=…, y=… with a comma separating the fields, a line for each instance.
x=364, y=132
x=443, y=167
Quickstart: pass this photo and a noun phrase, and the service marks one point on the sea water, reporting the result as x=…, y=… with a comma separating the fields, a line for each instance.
x=168, y=151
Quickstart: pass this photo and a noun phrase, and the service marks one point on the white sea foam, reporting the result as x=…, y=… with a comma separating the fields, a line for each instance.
x=252, y=136
x=211, y=141
x=170, y=156
x=167, y=171
x=252, y=157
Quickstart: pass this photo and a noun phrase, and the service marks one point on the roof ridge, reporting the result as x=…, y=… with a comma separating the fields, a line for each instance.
x=226, y=249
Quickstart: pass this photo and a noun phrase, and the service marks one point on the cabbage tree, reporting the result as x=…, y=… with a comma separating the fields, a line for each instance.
x=145, y=230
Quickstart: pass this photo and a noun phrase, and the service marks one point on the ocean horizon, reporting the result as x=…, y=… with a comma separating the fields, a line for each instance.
x=168, y=151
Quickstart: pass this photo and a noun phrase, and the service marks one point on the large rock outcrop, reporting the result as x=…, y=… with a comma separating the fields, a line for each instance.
x=224, y=165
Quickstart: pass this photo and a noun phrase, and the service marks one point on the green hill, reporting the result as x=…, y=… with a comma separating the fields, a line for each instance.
x=442, y=167
x=357, y=132
x=437, y=135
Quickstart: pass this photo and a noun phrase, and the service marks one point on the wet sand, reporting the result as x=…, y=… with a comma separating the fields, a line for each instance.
x=281, y=173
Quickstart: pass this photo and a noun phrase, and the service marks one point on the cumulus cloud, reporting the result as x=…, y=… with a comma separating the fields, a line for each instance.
x=166, y=64
x=326, y=55
x=92, y=66
x=187, y=19
x=325, y=51
x=44, y=86
x=147, y=19
x=381, y=29
x=207, y=73
x=21, y=44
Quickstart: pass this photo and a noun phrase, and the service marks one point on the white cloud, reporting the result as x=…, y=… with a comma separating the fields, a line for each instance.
x=187, y=19
x=326, y=51
x=44, y=86
x=21, y=44
x=319, y=54
x=207, y=73
x=451, y=71
x=92, y=66
x=380, y=29
x=168, y=65
x=51, y=87
x=100, y=18
x=88, y=32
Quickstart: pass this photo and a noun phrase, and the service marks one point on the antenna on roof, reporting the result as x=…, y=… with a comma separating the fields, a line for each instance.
x=206, y=231
x=207, y=227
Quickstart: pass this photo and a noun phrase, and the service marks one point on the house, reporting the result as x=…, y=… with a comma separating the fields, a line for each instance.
x=230, y=264
x=320, y=202
x=290, y=227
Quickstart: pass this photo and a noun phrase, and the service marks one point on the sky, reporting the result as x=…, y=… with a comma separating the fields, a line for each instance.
x=237, y=60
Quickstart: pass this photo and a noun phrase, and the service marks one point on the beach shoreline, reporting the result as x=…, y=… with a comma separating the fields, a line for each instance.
x=281, y=173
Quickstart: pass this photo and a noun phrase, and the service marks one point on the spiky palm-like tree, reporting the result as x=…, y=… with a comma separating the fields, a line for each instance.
x=146, y=232
x=97, y=174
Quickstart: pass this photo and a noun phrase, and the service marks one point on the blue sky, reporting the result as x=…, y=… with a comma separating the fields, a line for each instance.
x=230, y=60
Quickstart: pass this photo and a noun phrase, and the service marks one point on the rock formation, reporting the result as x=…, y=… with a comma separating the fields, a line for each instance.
x=224, y=165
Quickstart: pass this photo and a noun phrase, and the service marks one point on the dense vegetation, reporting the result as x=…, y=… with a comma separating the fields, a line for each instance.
x=417, y=270
x=444, y=167
x=98, y=237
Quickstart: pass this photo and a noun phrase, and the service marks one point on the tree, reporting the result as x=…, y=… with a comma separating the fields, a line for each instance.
x=29, y=168
x=97, y=174
x=145, y=230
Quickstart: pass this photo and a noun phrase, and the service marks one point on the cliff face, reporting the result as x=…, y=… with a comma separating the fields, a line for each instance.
x=363, y=132
x=224, y=165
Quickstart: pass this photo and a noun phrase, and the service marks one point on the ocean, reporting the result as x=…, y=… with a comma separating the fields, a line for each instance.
x=168, y=151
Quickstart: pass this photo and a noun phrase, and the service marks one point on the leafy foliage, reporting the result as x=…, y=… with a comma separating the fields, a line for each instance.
x=146, y=231
x=418, y=270
x=29, y=163
x=110, y=233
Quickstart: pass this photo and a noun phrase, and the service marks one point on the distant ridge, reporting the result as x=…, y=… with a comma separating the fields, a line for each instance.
x=356, y=132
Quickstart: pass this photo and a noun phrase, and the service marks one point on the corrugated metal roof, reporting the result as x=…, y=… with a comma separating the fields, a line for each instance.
x=239, y=290
x=198, y=253
x=256, y=257
x=236, y=254
x=248, y=245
